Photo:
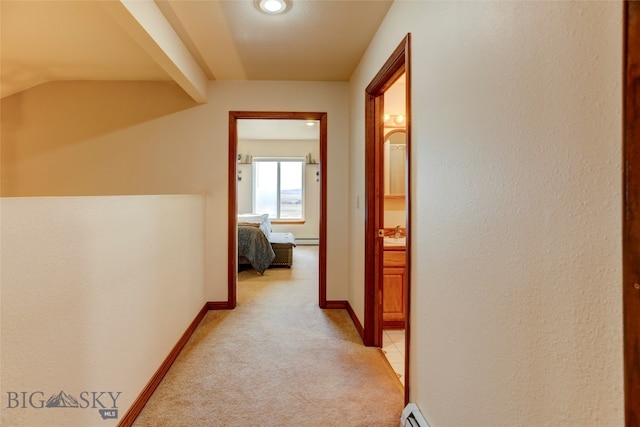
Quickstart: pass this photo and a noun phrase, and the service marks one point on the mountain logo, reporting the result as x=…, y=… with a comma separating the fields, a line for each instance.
x=62, y=400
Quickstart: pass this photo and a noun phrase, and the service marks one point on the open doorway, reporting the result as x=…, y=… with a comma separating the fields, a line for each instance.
x=248, y=130
x=388, y=267
x=394, y=219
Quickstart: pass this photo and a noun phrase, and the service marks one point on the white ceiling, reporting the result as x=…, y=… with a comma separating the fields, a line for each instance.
x=42, y=41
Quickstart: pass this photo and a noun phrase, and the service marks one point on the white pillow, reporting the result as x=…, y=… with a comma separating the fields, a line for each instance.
x=252, y=217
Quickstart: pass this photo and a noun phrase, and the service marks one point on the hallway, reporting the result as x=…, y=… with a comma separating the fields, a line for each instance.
x=277, y=360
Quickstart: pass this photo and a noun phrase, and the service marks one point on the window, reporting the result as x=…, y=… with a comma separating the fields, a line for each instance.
x=278, y=187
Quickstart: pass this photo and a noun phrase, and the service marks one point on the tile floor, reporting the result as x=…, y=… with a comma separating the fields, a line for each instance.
x=393, y=348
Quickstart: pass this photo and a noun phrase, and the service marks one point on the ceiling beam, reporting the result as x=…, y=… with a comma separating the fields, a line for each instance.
x=207, y=22
x=144, y=21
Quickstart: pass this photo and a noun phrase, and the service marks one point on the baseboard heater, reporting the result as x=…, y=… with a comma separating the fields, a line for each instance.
x=302, y=241
x=412, y=417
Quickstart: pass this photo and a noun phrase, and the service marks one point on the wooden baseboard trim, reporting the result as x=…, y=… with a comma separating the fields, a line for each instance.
x=151, y=386
x=355, y=320
x=336, y=305
x=346, y=306
x=219, y=305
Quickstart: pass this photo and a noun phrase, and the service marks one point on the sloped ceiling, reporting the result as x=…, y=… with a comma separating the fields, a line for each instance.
x=60, y=40
x=320, y=40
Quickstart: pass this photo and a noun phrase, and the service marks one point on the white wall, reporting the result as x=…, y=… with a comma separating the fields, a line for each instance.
x=95, y=293
x=330, y=97
x=99, y=138
x=288, y=148
x=516, y=209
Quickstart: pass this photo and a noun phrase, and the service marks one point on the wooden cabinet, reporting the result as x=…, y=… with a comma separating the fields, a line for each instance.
x=393, y=288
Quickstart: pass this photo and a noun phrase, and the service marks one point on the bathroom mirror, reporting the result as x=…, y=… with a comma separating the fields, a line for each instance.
x=395, y=156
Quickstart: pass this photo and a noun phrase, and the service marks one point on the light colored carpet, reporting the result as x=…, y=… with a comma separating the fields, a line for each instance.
x=277, y=360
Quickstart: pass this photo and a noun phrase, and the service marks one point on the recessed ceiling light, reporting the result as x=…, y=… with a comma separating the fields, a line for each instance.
x=310, y=123
x=273, y=6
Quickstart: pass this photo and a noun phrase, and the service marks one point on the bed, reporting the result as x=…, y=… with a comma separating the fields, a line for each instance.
x=259, y=246
x=282, y=244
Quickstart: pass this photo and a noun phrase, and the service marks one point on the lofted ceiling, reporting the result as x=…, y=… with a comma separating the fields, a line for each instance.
x=186, y=41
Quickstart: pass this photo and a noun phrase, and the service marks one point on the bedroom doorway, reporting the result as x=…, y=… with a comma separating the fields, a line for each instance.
x=285, y=161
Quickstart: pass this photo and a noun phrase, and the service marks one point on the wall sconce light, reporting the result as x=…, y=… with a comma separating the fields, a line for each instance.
x=394, y=120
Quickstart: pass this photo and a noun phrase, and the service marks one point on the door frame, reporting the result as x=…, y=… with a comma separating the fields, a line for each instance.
x=398, y=63
x=232, y=253
x=631, y=222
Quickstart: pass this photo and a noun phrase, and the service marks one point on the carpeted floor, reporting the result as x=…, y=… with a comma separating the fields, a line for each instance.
x=277, y=360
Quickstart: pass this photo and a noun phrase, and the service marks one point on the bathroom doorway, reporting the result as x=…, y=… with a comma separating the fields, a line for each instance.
x=388, y=203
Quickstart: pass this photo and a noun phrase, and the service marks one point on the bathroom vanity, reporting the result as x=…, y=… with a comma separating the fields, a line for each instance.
x=393, y=283
x=394, y=264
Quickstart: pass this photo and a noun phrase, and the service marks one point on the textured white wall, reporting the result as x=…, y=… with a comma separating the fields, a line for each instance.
x=329, y=97
x=516, y=220
x=114, y=138
x=95, y=292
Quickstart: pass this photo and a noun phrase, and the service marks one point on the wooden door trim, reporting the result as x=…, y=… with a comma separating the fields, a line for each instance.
x=631, y=223
x=373, y=261
x=398, y=62
x=232, y=210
